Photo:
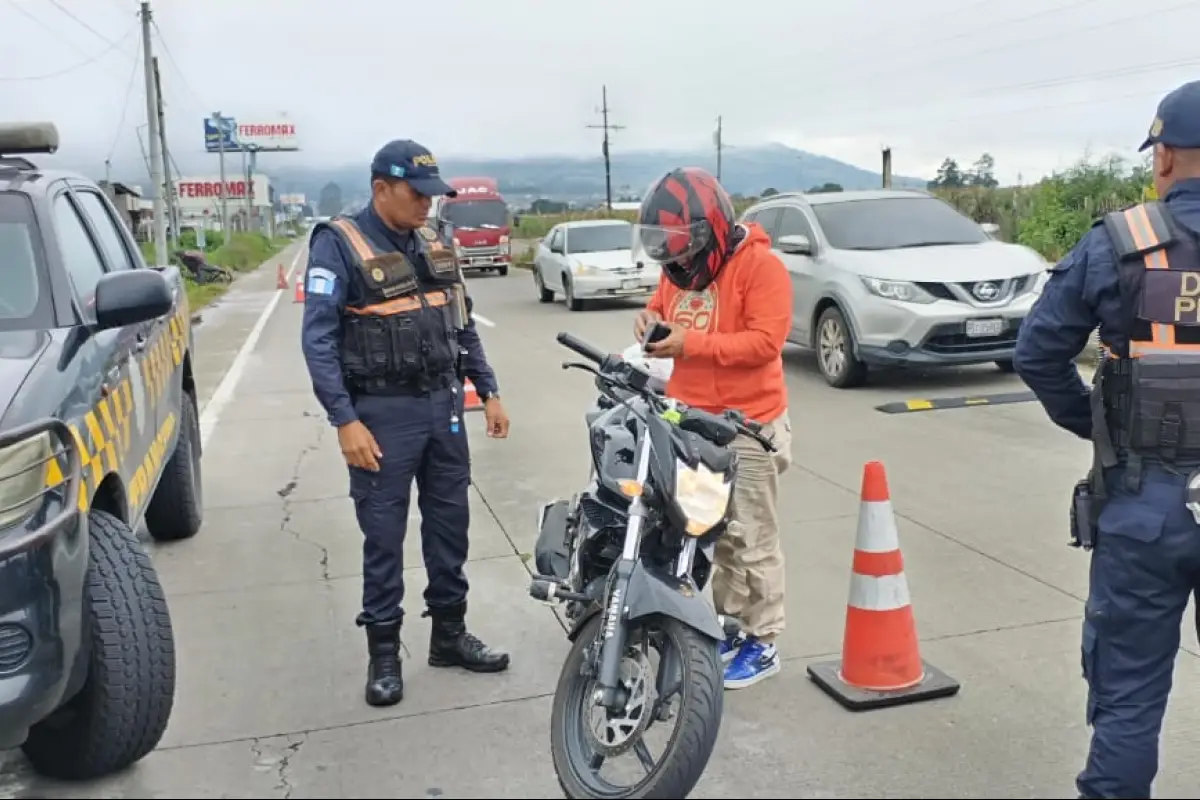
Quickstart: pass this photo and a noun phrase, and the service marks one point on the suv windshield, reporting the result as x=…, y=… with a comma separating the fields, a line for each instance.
x=24, y=300
x=476, y=213
x=895, y=222
x=599, y=238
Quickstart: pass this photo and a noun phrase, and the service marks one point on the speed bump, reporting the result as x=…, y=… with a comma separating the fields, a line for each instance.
x=940, y=403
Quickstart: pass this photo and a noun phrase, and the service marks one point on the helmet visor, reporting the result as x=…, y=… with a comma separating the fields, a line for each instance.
x=670, y=244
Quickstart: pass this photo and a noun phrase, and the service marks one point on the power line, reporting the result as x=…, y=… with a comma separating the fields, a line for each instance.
x=175, y=65
x=900, y=69
x=86, y=62
x=607, y=126
x=1051, y=83
x=78, y=21
x=124, y=110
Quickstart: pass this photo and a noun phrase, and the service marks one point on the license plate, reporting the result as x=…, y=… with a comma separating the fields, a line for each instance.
x=630, y=286
x=978, y=328
x=484, y=260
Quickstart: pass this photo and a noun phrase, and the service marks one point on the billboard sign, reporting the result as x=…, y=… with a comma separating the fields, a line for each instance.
x=262, y=135
x=204, y=193
x=292, y=200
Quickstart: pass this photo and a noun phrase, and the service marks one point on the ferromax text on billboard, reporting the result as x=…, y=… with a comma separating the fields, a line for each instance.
x=201, y=194
x=237, y=136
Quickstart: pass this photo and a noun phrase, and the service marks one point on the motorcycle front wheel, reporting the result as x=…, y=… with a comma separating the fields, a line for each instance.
x=684, y=694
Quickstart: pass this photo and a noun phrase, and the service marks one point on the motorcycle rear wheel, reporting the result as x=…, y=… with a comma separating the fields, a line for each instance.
x=698, y=707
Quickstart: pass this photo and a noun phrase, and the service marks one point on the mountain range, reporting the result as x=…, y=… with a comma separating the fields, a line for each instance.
x=744, y=170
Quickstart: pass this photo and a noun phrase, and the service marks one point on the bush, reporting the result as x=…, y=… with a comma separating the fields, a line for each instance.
x=1051, y=216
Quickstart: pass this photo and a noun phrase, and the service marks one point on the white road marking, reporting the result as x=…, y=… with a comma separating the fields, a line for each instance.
x=482, y=320
x=224, y=393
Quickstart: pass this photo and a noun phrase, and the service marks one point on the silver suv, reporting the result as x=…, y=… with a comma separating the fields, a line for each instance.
x=897, y=278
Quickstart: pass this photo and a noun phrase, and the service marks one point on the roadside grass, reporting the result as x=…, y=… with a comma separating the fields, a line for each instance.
x=244, y=252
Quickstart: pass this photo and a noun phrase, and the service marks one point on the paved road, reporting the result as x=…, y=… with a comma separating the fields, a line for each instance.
x=269, y=700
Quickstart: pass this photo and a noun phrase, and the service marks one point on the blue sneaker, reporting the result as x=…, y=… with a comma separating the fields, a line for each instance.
x=754, y=662
x=731, y=645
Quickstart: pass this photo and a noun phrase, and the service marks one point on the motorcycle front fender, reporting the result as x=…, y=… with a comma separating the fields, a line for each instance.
x=652, y=591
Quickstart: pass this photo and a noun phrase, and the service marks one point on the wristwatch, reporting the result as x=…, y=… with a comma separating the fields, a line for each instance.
x=483, y=398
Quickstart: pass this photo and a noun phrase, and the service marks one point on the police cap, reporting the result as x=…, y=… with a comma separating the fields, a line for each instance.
x=410, y=162
x=1177, y=123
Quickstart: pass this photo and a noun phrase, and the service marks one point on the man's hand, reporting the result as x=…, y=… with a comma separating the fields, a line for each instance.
x=497, y=420
x=671, y=346
x=643, y=321
x=358, y=446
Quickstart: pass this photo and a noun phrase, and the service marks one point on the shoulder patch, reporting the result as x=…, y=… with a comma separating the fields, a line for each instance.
x=320, y=281
x=428, y=234
x=1140, y=229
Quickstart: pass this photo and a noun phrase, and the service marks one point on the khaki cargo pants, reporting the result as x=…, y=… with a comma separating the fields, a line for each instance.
x=748, y=579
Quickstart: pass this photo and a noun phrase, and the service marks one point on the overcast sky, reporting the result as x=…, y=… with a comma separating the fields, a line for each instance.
x=1035, y=82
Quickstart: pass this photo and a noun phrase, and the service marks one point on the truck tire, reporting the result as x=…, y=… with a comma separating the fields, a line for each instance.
x=122, y=711
x=176, y=509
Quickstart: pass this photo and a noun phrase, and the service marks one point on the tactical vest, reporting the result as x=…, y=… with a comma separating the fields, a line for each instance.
x=403, y=336
x=1146, y=401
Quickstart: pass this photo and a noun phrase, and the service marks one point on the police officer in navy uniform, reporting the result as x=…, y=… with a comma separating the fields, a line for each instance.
x=1135, y=275
x=388, y=337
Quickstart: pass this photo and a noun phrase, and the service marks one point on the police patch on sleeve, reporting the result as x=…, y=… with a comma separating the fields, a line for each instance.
x=321, y=281
x=428, y=234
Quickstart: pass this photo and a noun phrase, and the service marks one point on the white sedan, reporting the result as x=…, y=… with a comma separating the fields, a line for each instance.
x=590, y=259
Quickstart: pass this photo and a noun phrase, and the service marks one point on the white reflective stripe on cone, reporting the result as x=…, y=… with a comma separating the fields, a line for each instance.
x=878, y=593
x=877, y=528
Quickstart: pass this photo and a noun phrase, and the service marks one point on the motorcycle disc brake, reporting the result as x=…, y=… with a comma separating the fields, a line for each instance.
x=614, y=733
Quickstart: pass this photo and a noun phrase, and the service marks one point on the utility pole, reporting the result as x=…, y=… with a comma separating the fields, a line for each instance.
x=219, y=121
x=156, y=155
x=717, y=140
x=168, y=185
x=607, y=160
x=887, y=168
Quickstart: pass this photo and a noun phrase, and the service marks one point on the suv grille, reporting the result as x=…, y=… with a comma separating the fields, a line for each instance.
x=951, y=338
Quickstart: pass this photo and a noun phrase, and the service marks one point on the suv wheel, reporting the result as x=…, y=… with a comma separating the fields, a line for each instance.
x=835, y=351
x=122, y=711
x=175, y=510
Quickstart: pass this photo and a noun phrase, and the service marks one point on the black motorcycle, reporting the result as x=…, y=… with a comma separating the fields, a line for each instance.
x=630, y=556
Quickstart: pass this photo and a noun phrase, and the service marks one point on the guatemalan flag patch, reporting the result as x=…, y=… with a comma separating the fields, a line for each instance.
x=321, y=281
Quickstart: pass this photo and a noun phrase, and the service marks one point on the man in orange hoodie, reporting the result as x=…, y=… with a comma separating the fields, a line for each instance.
x=727, y=300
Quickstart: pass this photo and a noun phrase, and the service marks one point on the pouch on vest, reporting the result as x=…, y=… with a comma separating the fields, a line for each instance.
x=390, y=275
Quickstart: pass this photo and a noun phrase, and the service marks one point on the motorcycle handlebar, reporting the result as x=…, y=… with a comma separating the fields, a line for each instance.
x=582, y=348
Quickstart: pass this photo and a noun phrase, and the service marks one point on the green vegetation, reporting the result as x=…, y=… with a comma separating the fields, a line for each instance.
x=244, y=252
x=1053, y=214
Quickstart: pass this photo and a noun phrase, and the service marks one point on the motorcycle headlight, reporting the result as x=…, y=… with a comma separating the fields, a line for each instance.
x=702, y=495
x=23, y=470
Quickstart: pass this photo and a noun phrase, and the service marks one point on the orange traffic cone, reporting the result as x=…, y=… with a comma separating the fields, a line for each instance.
x=299, y=296
x=471, y=401
x=881, y=662
x=280, y=278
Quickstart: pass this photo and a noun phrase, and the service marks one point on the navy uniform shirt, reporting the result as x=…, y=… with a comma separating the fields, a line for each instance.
x=329, y=290
x=1081, y=294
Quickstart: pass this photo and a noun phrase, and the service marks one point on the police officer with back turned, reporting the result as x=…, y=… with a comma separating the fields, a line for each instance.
x=388, y=336
x=1136, y=275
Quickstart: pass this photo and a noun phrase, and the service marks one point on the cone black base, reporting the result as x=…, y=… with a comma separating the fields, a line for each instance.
x=935, y=685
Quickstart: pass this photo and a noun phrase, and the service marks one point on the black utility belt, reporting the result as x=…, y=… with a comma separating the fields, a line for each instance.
x=387, y=388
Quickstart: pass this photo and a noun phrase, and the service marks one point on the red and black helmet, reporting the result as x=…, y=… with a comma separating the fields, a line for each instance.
x=686, y=224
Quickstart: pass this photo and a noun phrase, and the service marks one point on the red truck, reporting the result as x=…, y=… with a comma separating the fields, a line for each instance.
x=481, y=224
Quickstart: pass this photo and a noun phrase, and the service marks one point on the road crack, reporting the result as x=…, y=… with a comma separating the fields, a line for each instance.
x=279, y=760
x=285, y=494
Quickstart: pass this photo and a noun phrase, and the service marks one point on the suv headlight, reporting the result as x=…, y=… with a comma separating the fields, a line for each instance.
x=702, y=495
x=23, y=470
x=904, y=291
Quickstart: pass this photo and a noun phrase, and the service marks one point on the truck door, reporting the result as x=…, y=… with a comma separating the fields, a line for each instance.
x=114, y=413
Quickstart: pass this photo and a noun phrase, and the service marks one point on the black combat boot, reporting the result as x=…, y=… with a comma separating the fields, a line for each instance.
x=450, y=645
x=385, y=681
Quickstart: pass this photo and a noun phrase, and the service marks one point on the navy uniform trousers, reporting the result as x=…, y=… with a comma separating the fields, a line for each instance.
x=1145, y=566
x=419, y=442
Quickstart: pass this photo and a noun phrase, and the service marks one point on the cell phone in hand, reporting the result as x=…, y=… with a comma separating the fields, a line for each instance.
x=655, y=332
